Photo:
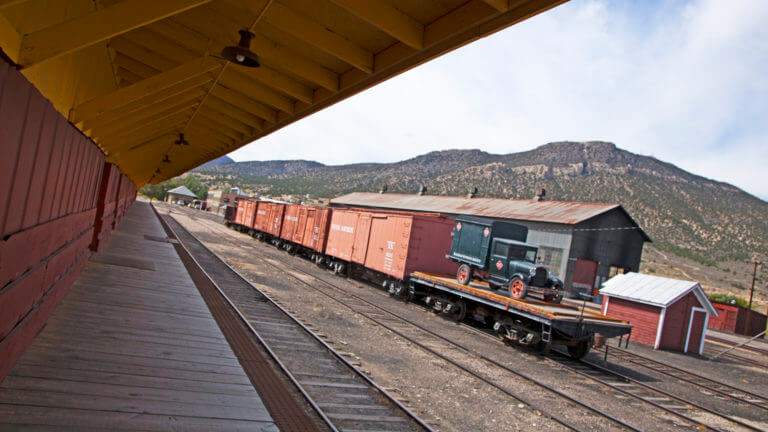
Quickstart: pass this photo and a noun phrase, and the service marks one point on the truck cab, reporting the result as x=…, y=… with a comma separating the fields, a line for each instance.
x=496, y=252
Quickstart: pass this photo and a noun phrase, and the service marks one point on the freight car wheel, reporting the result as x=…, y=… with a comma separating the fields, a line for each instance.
x=459, y=311
x=464, y=274
x=517, y=288
x=578, y=351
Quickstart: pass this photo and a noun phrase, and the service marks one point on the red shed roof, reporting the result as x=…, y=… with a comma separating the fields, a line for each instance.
x=540, y=211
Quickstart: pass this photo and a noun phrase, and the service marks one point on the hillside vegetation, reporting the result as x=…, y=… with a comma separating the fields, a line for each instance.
x=685, y=214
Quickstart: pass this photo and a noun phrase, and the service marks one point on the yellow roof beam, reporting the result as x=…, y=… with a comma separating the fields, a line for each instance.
x=239, y=82
x=135, y=66
x=209, y=133
x=192, y=41
x=158, y=121
x=244, y=102
x=319, y=36
x=147, y=102
x=221, y=106
x=499, y=5
x=150, y=57
x=92, y=28
x=144, y=88
x=241, y=128
x=136, y=117
x=387, y=19
x=224, y=32
x=8, y=3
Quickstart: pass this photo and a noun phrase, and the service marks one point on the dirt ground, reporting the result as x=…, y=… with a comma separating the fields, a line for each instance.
x=440, y=392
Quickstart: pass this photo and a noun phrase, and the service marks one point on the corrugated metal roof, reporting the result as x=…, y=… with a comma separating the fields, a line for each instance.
x=540, y=211
x=653, y=290
x=183, y=191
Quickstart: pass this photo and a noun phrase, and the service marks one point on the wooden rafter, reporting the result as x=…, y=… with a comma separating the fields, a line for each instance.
x=144, y=88
x=92, y=28
x=388, y=19
x=320, y=37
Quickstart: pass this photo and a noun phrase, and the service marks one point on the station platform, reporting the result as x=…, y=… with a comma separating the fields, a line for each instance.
x=132, y=346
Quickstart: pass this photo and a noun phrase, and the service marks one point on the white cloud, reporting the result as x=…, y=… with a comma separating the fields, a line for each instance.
x=686, y=82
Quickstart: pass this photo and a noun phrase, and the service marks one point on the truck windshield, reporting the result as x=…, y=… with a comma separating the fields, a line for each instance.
x=522, y=253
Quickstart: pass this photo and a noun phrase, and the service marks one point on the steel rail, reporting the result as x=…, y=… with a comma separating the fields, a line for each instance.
x=466, y=349
x=340, y=357
x=486, y=334
x=628, y=357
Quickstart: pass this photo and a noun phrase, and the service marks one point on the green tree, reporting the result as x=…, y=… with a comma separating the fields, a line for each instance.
x=160, y=190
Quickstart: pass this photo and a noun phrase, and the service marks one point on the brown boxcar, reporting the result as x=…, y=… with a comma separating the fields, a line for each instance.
x=240, y=212
x=269, y=217
x=394, y=244
x=261, y=221
x=291, y=222
x=250, y=212
x=315, y=227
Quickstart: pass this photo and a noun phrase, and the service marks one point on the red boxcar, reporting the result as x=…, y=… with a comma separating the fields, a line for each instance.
x=240, y=213
x=250, y=212
x=315, y=227
x=269, y=217
x=291, y=223
x=394, y=244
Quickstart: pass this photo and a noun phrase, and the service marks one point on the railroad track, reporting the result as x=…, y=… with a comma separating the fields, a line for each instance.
x=726, y=342
x=343, y=396
x=719, y=388
x=674, y=405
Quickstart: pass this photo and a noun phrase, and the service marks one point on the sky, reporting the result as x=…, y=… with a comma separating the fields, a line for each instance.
x=683, y=81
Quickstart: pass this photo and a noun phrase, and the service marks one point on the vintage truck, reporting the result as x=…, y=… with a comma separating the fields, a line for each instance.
x=496, y=252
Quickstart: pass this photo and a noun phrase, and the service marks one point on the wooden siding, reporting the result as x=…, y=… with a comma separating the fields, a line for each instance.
x=676, y=322
x=644, y=318
x=50, y=176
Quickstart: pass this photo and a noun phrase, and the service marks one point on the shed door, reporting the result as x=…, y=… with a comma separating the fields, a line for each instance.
x=696, y=331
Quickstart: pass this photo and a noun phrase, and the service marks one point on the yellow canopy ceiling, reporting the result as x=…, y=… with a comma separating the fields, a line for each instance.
x=133, y=74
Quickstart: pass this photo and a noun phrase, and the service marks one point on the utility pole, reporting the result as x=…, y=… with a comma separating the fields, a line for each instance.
x=751, y=293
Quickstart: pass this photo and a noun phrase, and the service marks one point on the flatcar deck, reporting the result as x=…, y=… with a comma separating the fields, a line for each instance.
x=132, y=346
x=547, y=313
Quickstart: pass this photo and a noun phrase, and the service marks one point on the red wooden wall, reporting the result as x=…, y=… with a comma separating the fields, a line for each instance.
x=50, y=179
x=644, y=318
x=676, y=323
x=733, y=318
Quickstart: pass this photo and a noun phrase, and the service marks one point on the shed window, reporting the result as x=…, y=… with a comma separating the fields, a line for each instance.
x=550, y=258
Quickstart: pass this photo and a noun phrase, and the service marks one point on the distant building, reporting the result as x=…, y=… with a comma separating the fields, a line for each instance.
x=582, y=243
x=181, y=194
x=214, y=200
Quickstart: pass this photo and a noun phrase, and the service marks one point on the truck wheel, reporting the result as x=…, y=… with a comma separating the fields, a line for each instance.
x=578, y=351
x=517, y=288
x=464, y=274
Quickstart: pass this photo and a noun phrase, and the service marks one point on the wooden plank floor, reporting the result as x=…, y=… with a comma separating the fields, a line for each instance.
x=132, y=346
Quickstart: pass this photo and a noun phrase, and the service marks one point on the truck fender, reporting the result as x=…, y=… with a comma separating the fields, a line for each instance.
x=525, y=278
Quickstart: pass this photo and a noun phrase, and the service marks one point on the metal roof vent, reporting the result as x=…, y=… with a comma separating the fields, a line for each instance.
x=472, y=192
x=241, y=53
x=422, y=190
x=181, y=141
x=383, y=189
x=540, y=196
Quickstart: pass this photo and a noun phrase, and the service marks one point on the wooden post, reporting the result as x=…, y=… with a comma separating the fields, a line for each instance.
x=747, y=327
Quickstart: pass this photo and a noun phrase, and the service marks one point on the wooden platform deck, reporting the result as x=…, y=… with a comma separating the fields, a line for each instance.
x=134, y=347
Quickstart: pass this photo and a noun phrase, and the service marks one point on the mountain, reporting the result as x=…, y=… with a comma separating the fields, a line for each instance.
x=222, y=160
x=689, y=215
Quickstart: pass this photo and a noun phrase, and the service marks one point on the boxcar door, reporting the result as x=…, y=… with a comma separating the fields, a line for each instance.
x=362, y=234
